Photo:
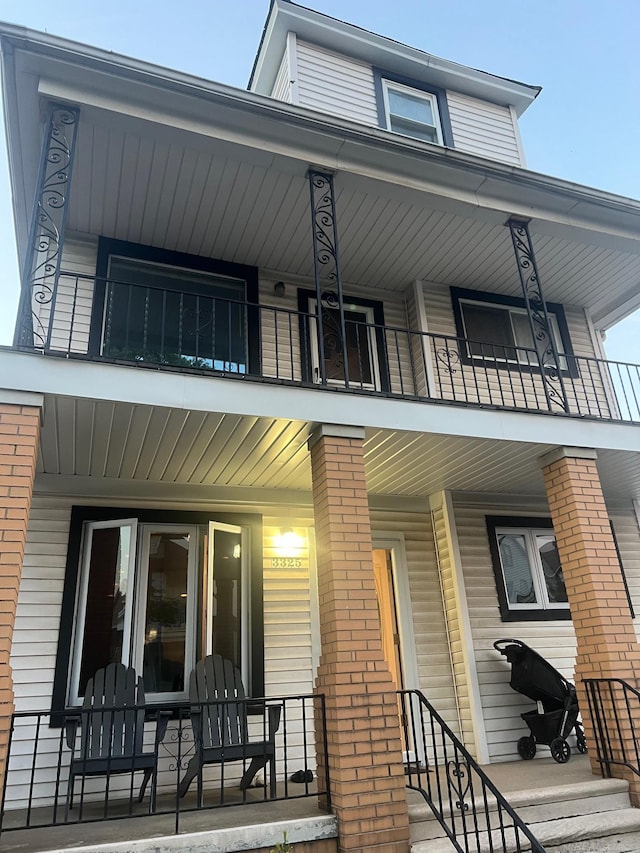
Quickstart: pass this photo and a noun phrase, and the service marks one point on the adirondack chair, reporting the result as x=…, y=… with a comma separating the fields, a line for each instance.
x=220, y=725
x=107, y=737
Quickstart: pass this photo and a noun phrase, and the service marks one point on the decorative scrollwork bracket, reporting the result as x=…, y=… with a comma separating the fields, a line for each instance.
x=326, y=266
x=541, y=331
x=46, y=234
x=459, y=779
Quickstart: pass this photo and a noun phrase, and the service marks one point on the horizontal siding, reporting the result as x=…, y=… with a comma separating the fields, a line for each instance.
x=282, y=84
x=335, y=84
x=483, y=128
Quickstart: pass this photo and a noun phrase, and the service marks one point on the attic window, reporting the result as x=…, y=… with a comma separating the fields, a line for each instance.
x=412, y=108
x=412, y=113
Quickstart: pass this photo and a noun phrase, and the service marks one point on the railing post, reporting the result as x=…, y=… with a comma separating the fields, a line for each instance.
x=541, y=331
x=326, y=265
x=46, y=234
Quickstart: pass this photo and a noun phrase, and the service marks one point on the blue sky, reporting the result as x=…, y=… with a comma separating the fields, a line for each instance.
x=584, y=127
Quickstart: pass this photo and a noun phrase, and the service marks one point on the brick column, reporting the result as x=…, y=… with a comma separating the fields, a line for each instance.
x=366, y=772
x=19, y=429
x=607, y=645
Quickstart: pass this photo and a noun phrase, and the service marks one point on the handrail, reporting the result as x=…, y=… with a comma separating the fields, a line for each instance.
x=101, y=319
x=474, y=814
x=614, y=710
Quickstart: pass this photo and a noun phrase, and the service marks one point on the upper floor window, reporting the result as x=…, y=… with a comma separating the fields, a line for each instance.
x=412, y=108
x=497, y=329
x=165, y=307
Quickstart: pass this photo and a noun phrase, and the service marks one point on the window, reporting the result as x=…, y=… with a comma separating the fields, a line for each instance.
x=169, y=308
x=497, y=329
x=157, y=591
x=412, y=108
x=363, y=346
x=527, y=569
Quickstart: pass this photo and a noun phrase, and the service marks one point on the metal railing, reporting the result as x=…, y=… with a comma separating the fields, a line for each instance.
x=614, y=709
x=472, y=812
x=54, y=779
x=101, y=319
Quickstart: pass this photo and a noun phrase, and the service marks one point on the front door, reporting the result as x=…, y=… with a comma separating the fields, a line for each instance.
x=385, y=590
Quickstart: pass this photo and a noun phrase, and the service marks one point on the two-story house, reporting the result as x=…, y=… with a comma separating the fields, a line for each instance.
x=310, y=377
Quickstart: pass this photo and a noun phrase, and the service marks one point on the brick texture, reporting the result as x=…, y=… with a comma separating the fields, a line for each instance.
x=607, y=646
x=364, y=751
x=19, y=430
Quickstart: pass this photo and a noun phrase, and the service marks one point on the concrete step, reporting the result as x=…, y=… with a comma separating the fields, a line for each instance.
x=558, y=815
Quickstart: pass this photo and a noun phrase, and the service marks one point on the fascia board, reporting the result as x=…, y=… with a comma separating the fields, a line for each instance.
x=380, y=51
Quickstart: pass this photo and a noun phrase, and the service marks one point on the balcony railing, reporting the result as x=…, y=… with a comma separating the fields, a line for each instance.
x=37, y=791
x=87, y=317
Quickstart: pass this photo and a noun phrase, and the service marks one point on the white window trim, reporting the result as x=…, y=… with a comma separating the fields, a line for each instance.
x=537, y=572
x=511, y=309
x=371, y=340
x=414, y=93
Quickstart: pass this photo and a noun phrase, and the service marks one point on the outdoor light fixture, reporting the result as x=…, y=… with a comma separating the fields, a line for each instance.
x=287, y=543
x=279, y=289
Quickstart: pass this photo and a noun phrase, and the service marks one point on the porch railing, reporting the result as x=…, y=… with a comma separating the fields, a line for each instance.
x=37, y=791
x=473, y=813
x=99, y=319
x=614, y=709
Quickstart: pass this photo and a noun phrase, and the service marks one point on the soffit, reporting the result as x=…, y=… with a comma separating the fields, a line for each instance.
x=147, y=444
x=133, y=181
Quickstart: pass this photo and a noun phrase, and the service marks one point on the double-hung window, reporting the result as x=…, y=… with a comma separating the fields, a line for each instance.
x=412, y=112
x=496, y=329
x=527, y=569
x=157, y=594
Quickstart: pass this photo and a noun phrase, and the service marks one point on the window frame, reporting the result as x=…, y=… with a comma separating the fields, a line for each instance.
x=545, y=610
x=437, y=95
x=67, y=658
x=460, y=296
x=181, y=260
x=307, y=308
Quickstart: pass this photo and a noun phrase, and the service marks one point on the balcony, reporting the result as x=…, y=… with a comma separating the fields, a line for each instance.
x=88, y=317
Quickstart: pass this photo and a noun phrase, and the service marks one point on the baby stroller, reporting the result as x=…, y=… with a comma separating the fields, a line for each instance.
x=557, y=713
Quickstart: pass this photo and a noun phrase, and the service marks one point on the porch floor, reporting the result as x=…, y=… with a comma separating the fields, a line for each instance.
x=510, y=777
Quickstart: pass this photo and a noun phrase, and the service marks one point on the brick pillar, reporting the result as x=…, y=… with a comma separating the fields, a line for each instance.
x=19, y=429
x=366, y=772
x=607, y=646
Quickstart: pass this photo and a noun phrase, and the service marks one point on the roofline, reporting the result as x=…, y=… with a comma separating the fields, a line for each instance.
x=523, y=94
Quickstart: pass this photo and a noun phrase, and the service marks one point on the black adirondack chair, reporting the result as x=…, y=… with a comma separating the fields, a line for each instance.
x=107, y=737
x=220, y=725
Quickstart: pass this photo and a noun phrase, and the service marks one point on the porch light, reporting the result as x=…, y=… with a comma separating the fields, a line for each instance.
x=287, y=543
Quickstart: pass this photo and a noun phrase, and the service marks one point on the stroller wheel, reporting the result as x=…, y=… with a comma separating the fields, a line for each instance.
x=526, y=748
x=581, y=743
x=560, y=750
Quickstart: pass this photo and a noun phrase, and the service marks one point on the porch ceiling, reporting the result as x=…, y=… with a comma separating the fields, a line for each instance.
x=152, y=445
x=151, y=184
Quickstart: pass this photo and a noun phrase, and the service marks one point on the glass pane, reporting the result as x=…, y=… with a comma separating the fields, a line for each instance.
x=522, y=329
x=551, y=568
x=488, y=330
x=357, y=346
x=107, y=591
x=403, y=105
x=516, y=569
x=166, y=612
x=226, y=631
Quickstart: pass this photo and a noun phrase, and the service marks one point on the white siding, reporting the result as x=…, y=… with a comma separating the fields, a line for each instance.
x=483, y=128
x=282, y=84
x=332, y=83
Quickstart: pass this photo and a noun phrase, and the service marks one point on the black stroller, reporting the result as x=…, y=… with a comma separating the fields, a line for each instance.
x=534, y=677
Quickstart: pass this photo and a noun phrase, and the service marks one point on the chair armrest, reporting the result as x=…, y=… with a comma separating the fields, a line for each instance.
x=71, y=728
x=274, y=713
x=161, y=725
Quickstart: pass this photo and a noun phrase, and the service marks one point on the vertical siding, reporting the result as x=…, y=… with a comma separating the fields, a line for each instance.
x=282, y=84
x=483, y=128
x=335, y=84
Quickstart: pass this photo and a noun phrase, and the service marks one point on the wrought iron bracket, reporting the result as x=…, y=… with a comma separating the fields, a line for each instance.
x=326, y=264
x=46, y=234
x=541, y=331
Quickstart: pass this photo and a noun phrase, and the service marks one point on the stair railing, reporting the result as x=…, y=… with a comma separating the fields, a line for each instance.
x=473, y=813
x=614, y=709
